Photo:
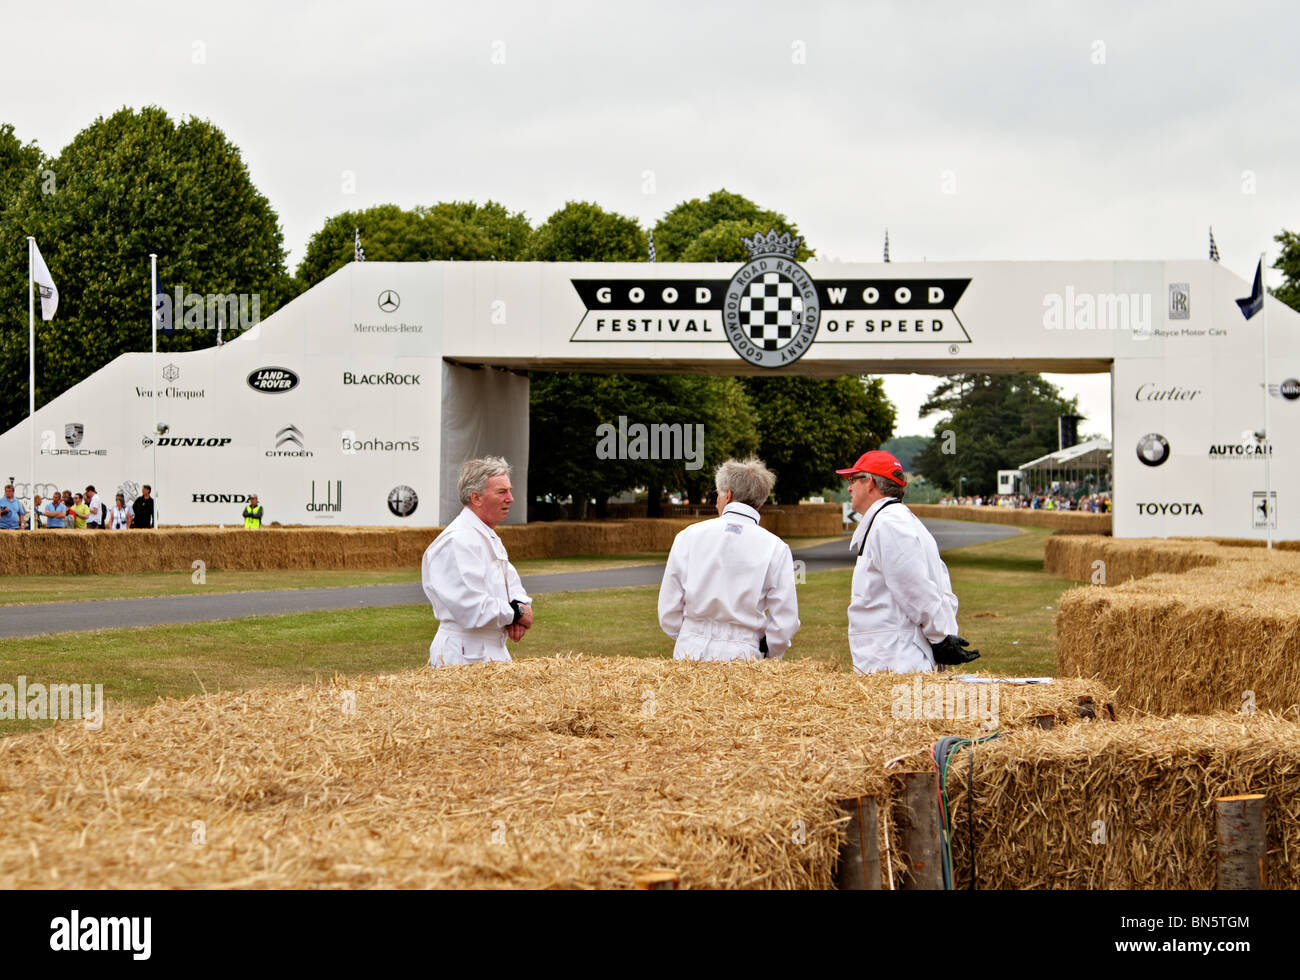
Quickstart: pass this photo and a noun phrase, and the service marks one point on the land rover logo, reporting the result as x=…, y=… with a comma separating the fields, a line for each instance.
x=402, y=501
x=1153, y=449
x=770, y=310
x=389, y=301
x=272, y=380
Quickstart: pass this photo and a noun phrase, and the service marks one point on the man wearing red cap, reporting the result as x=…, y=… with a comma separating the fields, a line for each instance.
x=902, y=613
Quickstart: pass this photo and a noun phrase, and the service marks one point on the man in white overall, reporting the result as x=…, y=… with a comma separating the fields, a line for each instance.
x=476, y=593
x=728, y=591
x=902, y=611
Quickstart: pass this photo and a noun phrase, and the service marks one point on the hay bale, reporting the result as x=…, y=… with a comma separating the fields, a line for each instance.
x=1213, y=638
x=1075, y=557
x=1123, y=806
x=1064, y=521
x=563, y=772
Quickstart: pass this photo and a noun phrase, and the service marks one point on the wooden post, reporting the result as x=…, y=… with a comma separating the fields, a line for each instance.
x=859, y=865
x=1044, y=721
x=660, y=879
x=920, y=828
x=1243, y=841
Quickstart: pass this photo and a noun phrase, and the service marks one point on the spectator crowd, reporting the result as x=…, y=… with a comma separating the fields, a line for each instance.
x=1091, y=503
x=88, y=510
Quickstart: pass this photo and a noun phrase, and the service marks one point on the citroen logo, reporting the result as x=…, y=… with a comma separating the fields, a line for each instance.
x=289, y=434
x=389, y=301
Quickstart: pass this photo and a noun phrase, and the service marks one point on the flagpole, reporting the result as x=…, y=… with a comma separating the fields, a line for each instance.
x=1268, y=434
x=31, y=375
x=153, y=367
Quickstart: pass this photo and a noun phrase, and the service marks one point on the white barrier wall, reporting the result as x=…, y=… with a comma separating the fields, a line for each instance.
x=355, y=403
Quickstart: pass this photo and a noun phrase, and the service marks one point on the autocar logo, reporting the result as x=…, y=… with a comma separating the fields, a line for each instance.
x=389, y=301
x=273, y=380
x=72, y=433
x=402, y=501
x=1153, y=449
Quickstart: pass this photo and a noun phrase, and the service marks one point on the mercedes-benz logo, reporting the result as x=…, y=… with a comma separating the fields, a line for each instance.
x=389, y=301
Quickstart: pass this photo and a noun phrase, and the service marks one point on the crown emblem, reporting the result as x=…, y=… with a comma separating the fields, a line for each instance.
x=772, y=244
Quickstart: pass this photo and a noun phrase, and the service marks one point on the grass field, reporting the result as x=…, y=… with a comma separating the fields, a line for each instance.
x=1007, y=611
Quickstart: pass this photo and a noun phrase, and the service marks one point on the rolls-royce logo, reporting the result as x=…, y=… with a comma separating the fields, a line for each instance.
x=389, y=301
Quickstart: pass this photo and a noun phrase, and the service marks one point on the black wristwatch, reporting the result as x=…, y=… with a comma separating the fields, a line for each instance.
x=518, y=607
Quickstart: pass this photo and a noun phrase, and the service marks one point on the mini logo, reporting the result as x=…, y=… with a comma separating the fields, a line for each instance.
x=170, y=373
x=771, y=310
x=389, y=301
x=1263, y=509
x=1153, y=449
x=272, y=380
x=72, y=433
x=1180, y=301
x=1288, y=389
x=402, y=501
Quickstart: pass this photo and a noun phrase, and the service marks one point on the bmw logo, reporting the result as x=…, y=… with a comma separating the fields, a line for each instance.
x=1153, y=449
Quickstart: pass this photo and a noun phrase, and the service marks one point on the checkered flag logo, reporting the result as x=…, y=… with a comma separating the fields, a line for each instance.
x=1214, y=249
x=770, y=311
x=652, y=246
x=358, y=253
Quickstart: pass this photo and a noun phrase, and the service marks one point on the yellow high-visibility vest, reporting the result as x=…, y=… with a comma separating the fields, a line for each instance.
x=253, y=517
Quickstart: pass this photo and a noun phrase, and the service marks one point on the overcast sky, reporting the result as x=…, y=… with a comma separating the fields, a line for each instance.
x=1065, y=130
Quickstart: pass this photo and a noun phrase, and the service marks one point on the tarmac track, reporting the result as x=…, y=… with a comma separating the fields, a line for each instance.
x=65, y=617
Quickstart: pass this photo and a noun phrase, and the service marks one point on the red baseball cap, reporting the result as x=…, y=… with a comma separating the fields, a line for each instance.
x=878, y=462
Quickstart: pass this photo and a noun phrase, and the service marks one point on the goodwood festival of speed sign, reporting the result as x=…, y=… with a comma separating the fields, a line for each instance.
x=771, y=310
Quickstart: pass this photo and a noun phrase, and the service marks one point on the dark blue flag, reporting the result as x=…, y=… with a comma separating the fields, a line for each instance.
x=1253, y=303
x=163, y=304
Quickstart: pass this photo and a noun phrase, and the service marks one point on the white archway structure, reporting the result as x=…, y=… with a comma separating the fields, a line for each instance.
x=373, y=385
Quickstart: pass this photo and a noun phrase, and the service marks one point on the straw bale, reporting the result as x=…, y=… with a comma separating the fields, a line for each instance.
x=1123, y=806
x=1064, y=521
x=174, y=549
x=565, y=772
x=1212, y=638
x=1074, y=556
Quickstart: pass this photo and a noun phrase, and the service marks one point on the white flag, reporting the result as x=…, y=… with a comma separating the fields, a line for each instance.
x=45, y=287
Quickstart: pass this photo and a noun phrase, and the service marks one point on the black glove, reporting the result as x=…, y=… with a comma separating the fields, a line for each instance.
x=949, y=651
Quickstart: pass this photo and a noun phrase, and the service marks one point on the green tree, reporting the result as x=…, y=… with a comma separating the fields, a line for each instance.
x=128, y=185
x=20, y=166
x=710, y=230
x=989, y=422
x=1288, y=263
x=585, y=232
x=449, y=231
x=905, y=448
x=809, y=428
x=567, y=410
